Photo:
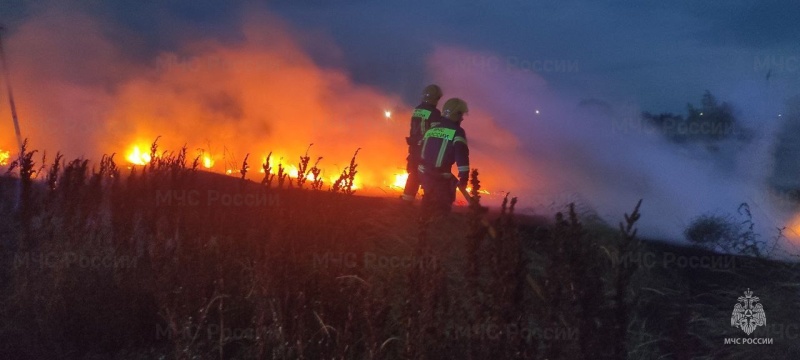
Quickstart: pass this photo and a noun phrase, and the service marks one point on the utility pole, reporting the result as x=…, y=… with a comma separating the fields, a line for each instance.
x=8, y=89
x=18, y=195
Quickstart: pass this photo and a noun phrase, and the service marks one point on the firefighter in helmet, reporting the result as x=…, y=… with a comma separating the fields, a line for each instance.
x=443, y=144
x=424, y=114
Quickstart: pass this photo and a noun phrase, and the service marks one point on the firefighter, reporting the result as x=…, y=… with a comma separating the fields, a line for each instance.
x=421, y=120
x=444, y=143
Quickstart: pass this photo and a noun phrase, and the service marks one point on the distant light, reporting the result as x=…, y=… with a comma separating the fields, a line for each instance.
x=779, y=115
x=701, y=114
x=537, y=112
x=387, y=113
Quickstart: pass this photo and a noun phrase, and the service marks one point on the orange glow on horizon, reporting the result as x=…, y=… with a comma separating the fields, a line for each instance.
x=793, y=229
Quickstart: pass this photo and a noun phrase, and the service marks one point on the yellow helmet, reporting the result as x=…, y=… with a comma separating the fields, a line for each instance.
x=432, y=93
x=454, y=108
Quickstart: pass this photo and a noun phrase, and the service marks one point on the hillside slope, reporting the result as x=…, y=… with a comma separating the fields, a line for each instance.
x=183, y=264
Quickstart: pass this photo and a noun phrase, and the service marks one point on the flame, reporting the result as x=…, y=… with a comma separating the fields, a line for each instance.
x=293, y=171
x=481, y=191
x=206, y=92
x=137, y=157
x=4, y=156
x=208, y=162
x=400, y=180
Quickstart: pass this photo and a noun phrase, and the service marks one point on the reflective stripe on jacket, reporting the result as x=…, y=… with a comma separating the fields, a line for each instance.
x=443, y=145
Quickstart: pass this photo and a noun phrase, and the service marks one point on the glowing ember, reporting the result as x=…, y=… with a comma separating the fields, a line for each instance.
x=4, y=156
x=137, y=157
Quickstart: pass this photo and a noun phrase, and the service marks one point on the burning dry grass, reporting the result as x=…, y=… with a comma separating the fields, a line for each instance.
x=222, y=100
x=164, y=260
x=4, y=156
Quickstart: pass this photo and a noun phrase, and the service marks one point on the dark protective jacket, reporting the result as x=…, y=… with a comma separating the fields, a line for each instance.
x=445, y=143
x=421, y=120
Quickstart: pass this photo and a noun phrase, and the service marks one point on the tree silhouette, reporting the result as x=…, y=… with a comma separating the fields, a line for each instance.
x=710, y=123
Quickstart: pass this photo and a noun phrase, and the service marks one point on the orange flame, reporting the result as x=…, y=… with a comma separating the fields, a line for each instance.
x=400, y=180
x=137, y=157
x=208, y=162
x=215, y=92
x=4, y=156
x=481, y=191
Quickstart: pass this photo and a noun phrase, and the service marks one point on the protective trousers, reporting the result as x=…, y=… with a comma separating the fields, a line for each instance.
x=440, y=192
x=413, y=180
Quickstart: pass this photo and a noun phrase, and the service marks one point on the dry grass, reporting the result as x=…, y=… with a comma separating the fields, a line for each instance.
x=324, y=275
